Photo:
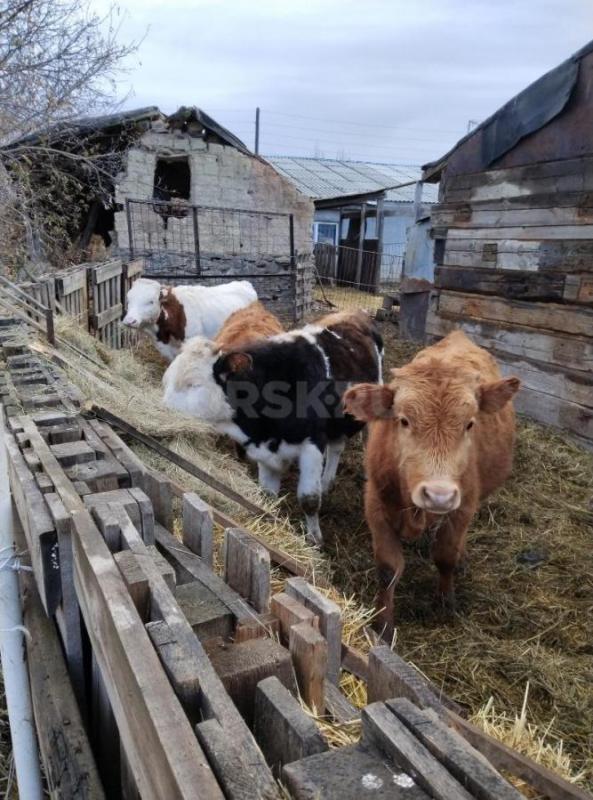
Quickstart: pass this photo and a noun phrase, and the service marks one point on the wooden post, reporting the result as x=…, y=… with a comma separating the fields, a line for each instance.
x=308, y=649
x=198, y=527
x=282, y=729
x=247, y=568
x=183, y=672
x=158, y=489
x=290, y=612
x=359, y=255
x=330, y=620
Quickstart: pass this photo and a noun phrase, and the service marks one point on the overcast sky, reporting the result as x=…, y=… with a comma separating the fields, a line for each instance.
x=380, y=80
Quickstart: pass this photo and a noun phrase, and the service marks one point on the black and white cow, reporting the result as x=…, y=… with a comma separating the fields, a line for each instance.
x=281, y=399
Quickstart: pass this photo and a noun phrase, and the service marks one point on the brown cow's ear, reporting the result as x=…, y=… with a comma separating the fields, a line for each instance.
x=238, y=362
x=368, y=401
x=494, y=396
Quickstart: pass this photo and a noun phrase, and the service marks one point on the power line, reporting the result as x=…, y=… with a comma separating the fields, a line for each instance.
x=343, y=142
x=457, y=132
x=350, y=135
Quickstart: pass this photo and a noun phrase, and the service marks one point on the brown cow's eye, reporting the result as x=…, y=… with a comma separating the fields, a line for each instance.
x=404, y=422
x=469, y=425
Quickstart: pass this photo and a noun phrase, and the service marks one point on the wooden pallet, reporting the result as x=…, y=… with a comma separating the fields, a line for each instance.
x=187, y=680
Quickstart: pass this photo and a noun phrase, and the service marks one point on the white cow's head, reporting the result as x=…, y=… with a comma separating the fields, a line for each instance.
x=190, y=386
x=143, y=303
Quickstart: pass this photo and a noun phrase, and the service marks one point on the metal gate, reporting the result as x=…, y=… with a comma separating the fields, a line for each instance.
x=177, y=239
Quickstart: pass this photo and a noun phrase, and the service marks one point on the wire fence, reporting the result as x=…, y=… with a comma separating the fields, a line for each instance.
x=347, y=279
x=176, y=238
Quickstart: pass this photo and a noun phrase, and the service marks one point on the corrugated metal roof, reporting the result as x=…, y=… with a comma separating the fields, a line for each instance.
x=320, y=178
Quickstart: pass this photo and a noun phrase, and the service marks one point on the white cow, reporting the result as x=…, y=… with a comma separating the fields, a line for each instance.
x=172, y=314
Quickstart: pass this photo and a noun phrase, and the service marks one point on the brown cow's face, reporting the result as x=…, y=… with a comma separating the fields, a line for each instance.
x=433, y=436
x=435, y=411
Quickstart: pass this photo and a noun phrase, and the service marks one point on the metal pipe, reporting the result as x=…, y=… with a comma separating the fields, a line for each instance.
x=14, y=666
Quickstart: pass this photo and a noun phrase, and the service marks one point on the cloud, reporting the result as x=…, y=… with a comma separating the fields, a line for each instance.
x=384, y=80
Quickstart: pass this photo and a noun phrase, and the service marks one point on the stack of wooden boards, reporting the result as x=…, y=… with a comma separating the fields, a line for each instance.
x=154, y=677
x=513, y=251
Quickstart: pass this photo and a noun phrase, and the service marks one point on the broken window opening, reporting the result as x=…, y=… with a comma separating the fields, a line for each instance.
x=172, y=179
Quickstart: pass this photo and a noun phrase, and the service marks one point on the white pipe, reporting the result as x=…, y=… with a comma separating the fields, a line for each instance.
x=14, y=665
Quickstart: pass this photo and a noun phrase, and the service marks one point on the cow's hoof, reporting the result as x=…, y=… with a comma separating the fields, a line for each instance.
x=314, y=538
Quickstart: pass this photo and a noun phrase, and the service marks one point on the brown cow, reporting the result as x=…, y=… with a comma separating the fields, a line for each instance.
x=247, y=325
x=440, y=440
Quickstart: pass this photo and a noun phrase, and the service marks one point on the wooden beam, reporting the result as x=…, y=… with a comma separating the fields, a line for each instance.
x=339, y=707
x=183, y=463
x=230, y=764
x=388, y=734
x=214, y=699
x=39, y=529
x=68, y=613
x=69, y=764
x=390, y=676
x=164, y=755
x=507, y=760
x=471, y=769
x=242, y=666
x=189, y=567
x=183, y=672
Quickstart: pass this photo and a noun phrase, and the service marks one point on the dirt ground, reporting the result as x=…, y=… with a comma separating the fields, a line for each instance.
x=524, y=615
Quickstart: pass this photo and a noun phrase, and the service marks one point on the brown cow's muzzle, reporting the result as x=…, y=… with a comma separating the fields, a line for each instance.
x=437, y=497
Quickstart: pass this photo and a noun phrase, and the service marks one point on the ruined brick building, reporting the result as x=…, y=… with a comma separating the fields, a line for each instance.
x=189, y=198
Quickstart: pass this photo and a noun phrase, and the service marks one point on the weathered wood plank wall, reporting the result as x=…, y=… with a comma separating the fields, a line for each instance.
x=516, y=272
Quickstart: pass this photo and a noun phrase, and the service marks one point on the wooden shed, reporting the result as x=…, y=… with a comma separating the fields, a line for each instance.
x=513, y=237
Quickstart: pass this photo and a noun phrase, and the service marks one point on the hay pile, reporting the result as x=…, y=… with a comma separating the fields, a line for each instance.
x=524, y=606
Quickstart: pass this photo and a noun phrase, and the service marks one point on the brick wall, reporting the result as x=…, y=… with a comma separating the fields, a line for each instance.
x=231, y=244
x=221, y=177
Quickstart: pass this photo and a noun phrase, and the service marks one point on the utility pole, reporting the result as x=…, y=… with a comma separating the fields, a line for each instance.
x=257, y=130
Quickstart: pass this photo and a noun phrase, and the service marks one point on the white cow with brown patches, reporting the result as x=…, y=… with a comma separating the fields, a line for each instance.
x=172, y=314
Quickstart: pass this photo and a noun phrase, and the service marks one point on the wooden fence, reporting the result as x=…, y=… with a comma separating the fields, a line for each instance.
x=93, y=294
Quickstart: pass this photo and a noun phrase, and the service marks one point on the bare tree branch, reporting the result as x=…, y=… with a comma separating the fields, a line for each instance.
x=58, y=60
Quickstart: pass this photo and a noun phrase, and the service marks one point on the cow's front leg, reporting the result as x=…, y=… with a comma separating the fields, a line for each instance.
x=332, y=459
x=389, y=561
x=448, y=550
x=309, y=488
x=269, y=479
